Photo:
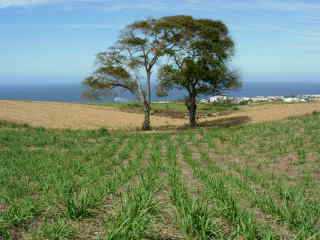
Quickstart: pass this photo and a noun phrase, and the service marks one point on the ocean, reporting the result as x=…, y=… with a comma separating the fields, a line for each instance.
x=73, y=92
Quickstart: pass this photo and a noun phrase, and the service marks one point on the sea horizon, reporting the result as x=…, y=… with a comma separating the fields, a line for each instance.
x=72, y=92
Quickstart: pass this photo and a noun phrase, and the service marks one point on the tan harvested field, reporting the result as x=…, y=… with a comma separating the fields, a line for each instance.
x=78, y=116
x=73, y=116
x=274, y=112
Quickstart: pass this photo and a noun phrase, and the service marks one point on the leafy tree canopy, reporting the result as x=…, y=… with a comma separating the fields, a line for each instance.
x=129, y=63
x=199, y=59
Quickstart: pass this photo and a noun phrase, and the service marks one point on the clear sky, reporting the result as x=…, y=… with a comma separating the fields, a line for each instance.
x=59, y=38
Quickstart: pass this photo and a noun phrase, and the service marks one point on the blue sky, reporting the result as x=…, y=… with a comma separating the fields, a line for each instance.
x=59, y=38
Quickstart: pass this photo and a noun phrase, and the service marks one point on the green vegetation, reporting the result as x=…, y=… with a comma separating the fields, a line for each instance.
x=196, y=54
x=199, y=53
x=177, y=109
x=259, y=181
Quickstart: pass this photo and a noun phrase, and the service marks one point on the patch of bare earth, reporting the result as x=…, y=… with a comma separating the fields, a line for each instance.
x=80, y=116
x=286, y=165
x=3, y=207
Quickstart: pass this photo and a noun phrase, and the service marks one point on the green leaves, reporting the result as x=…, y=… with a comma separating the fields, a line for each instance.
x=201, y=49
x=57, y=230
x=129, y=63
x=136, y=51
x=198, y=51
x=19, y=214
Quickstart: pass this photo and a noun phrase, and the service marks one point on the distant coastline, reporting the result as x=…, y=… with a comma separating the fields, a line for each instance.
x=72, y=92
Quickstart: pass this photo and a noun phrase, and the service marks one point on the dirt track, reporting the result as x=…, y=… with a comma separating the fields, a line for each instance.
x=77, y=116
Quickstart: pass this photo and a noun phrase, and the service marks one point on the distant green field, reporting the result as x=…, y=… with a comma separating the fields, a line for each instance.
x=176, y=109
x=259, y=181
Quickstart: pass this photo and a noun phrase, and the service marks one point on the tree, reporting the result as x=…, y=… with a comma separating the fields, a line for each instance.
x=129, y=64
x=198, y=60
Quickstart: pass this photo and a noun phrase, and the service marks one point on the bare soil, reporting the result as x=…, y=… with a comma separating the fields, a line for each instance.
x=73, y=116
x=80, y=116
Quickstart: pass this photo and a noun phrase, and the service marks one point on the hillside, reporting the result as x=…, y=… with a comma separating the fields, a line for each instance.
x=259, y=181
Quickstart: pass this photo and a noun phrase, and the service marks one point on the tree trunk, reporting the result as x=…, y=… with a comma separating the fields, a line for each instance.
x=192, y=108
x=147, y=105
x=149, y=87
x=146, y=123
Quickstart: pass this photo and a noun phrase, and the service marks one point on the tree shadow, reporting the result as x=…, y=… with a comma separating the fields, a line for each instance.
x=216, y=123
x=226, y=122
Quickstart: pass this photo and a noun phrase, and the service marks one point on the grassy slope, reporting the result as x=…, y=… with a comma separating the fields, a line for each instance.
x=254, y=182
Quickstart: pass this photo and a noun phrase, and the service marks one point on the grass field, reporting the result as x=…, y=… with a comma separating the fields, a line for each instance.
x=259, y=181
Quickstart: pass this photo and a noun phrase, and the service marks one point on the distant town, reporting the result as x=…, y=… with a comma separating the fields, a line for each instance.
x=257, y=99
x=247, y=100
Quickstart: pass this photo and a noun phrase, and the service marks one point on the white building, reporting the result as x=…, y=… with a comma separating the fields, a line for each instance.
x=259, y=99
x=216, y=99
x=293, y=100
